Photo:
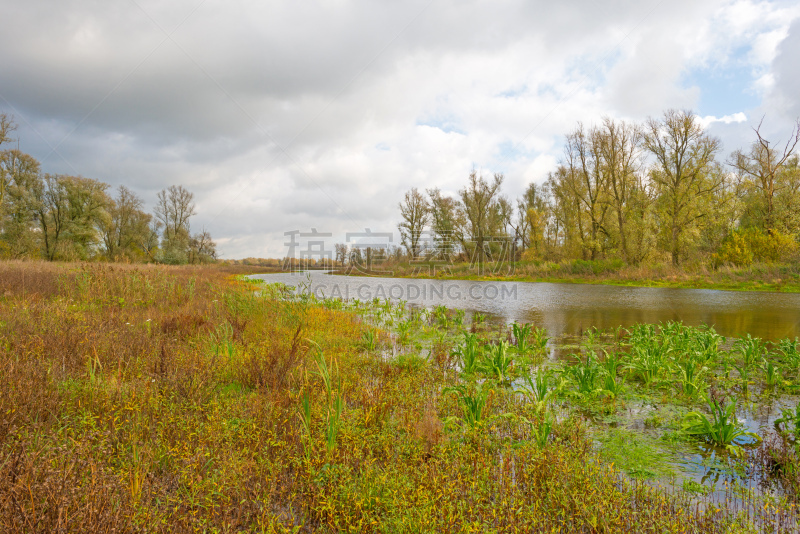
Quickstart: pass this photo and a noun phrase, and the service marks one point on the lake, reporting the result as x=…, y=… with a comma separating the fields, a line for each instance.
x=570, y=309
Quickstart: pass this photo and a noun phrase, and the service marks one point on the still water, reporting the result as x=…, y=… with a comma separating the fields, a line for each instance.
x=570, y=309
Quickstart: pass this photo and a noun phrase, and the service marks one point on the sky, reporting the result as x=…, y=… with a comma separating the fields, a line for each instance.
x=285, y=116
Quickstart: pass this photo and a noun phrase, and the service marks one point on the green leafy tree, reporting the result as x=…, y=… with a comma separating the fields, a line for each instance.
x=19, y=186
x=685, y=176
x=70, y=210
x=126, y=228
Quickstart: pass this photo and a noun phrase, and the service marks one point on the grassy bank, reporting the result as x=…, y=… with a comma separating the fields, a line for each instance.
x=156, y=399
x=758, y=277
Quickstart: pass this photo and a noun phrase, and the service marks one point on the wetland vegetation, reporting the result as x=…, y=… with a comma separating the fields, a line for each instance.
x=177, y=399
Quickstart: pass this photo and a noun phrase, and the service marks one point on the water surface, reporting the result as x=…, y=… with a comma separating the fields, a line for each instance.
x=570, y=309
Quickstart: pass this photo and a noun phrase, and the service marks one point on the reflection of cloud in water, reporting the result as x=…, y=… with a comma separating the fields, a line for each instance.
x=573, y=308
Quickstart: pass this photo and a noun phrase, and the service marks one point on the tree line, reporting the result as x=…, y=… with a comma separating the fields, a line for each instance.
x=62, y=217
x=650, y=191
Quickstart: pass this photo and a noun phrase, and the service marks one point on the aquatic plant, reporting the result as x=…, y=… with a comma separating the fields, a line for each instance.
x=472, y=400
x=368, y=340
x=723, y=429
x=789, y=422
x=334, y=401
x=537, y=387
x=772, y=373
x=521, y=334
x=612, y=386
x=539, y=339
x=468, y=354
x=692, y=374
x=403, y=332
x=541, y=432
x=648, y=362
x=440, y=316
x=585, y=374
x=497, y=361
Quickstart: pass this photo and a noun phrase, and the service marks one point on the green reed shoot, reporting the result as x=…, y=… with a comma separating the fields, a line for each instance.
x=472, y=400
x=537, y=387
x=334, y=400
x=790, y=421
x=521, y=334
x=542, y=432
x=368, y=340
x=497, y=361
x=585, y=374
x=772, y=373
x=539, y=339
x=468, y=354
x=691, y=377
x=723, y=429
x=404, y=332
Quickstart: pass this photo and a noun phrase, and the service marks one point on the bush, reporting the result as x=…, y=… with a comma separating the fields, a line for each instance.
x=593, y=267
x=744, y=246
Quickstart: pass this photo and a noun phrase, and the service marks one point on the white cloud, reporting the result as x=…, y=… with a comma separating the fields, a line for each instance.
x=727, y=119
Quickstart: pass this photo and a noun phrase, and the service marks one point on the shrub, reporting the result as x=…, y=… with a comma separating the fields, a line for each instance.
x=744, y=246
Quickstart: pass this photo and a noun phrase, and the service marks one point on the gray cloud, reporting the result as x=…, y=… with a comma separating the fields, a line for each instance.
x=284, y=115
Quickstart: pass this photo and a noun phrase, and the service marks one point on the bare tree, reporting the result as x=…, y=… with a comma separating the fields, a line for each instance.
x=341, y=252
x=761, y=169
x=174, y=208
x=202, y=248
x=415, y=214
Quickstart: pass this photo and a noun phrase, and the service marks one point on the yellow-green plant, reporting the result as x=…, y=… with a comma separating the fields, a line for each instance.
x=472, y=400
x=497, y=361
x=723, y=429
x=468, y=354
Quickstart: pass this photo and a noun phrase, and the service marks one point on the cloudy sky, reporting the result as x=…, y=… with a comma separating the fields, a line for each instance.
x=286, y=115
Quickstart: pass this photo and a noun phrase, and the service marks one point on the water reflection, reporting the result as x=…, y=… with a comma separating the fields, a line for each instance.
x=570, y=309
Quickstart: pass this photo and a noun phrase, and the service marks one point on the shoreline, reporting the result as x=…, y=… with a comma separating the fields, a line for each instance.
x=746, y=285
